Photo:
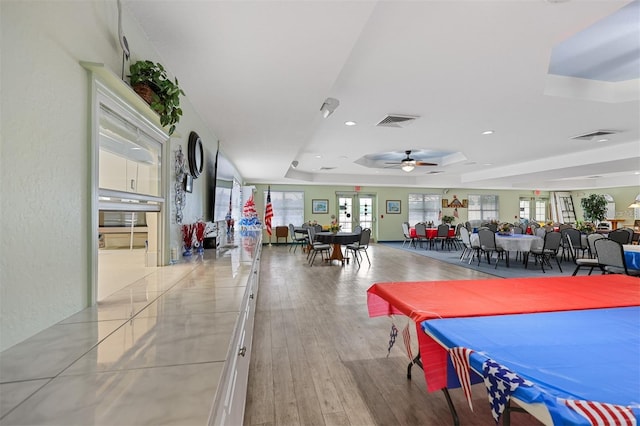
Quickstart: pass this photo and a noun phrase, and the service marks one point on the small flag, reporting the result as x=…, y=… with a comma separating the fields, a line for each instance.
x=439, y=215
x=599, y=413
x=268, y=212
x=460, y=359
x=406, y=338
x=455, y=213
x=501, y=383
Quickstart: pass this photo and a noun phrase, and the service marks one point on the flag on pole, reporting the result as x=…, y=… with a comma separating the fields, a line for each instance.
x=268, y=212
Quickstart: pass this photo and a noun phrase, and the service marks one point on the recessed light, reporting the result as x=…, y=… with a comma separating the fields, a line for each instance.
x=637, y=173
x=487, y=132
x=318, y=156
x=487, y=164
x=350, y=123
x=603, y=140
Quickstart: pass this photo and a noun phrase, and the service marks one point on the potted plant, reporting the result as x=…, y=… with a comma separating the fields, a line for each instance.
x=595, y=207
x=448, y=219
x=151, y=82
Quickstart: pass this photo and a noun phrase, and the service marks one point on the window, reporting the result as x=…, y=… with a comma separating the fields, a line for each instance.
x=525, y=209
x=541, y=210
x=483, y=207
x=288, y=207
x=424, y=208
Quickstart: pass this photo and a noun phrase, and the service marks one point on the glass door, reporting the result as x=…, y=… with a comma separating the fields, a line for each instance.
x=356, y=209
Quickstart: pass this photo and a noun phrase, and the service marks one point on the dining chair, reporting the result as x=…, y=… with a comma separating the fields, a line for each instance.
x=407, y=235
x=421, y=233
x=591, y=239
x=361, y=246
x=517, y=229
x=610, y=254
x=540, y=232
x=357, y=229
x=548, y=251
x=442, y=235
x=576, y=243
x=295, y=240
x=469, y=249
x=582, y=262
x=621, y=235
x=488, y=245
x=316, y=247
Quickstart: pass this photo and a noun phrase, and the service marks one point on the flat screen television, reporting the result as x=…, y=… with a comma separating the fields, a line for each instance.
x=222, y=188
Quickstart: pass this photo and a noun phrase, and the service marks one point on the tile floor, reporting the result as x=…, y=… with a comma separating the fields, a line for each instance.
x=151, y=353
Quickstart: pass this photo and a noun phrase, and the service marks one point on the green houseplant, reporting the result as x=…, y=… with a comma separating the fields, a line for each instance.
x=151, y=82
x=448, y=219
x=595, y=207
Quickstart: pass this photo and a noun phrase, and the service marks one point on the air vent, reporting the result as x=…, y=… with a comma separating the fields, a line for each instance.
x=326, y=168
x=594, y=135
x=397, y=120
x=434, y=172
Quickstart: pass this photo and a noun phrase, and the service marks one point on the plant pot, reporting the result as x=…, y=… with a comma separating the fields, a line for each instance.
x=144, y=91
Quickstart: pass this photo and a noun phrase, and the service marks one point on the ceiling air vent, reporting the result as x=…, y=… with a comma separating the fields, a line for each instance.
x=326, y=168
x=397, y=120
x=594, y=135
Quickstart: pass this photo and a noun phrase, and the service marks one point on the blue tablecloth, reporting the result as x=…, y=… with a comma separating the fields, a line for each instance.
x=591, y=355
x=632, y=258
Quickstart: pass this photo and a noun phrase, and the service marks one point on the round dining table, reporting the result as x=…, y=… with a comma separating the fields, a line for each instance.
x=337, y=240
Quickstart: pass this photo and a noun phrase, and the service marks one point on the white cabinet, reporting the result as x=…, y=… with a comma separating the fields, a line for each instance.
x=228, y=408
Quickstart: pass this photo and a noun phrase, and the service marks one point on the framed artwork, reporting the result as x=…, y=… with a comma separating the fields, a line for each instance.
x=319, y=206
x=188, y=183
x=393, y=206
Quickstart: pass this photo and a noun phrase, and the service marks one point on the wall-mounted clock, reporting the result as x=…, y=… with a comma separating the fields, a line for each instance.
x=195, y=154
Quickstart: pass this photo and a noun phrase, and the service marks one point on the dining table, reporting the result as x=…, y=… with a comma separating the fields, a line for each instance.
x=516, y=242
x=431, y=233
x=632, y=256
x=337, y=240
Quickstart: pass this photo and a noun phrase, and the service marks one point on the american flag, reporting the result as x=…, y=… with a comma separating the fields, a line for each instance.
x=268, y=212
x=501, y=383
x=440, y=215
x=599, y=413
x=406, y=338
x=460, y=359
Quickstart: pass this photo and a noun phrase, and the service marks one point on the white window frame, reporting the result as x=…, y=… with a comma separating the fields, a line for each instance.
x=486, y=210
x=286, y=207
x=423, y=207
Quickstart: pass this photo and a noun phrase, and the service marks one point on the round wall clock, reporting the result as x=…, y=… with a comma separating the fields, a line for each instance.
x=195, y=153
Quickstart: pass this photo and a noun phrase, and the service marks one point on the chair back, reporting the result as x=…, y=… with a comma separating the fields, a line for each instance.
x=421, y=230
x=292, y=231
x=610, y=253
x=357, y=229
x=311, y=232
x=405, y=229
x=572, y=251
x=492, y=226
x=443, y=230
x=517, y=229
x=574, y=234
x=540, y=232
x=465, y=237
x=365, y=237
x=591, y=239
x=621, y=236
x=552, y=241
x=467, y=225
x=487, y=239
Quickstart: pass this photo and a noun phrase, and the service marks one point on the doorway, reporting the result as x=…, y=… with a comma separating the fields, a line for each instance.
x=356, y=209
x=129, y=204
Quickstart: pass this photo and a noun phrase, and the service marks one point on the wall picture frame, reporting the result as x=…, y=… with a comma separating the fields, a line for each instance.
x=393, y=206
x=319, y=206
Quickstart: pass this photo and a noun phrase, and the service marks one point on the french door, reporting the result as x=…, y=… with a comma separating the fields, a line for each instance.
x=356, y=209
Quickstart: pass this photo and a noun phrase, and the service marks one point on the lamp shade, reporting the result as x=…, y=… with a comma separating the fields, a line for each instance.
x=636, y=203
x=408, y=167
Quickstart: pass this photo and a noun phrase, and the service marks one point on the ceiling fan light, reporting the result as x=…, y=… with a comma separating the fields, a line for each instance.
x=407, y=167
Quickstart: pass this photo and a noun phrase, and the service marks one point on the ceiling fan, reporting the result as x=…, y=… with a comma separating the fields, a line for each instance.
x=407, y=164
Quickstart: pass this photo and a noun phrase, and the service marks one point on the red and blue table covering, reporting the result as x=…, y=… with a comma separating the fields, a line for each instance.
x=426, y=300
x=572, y=362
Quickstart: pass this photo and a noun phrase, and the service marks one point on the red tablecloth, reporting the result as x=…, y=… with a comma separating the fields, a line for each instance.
x=426, y=300
x=431, y=232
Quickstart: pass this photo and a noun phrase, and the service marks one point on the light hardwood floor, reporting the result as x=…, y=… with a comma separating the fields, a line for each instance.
x=318, y=359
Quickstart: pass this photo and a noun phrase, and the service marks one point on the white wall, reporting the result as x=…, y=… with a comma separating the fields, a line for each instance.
x=44, y=154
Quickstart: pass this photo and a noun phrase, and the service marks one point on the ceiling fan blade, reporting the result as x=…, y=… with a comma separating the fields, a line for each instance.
x=422, y=163
x=392, y=162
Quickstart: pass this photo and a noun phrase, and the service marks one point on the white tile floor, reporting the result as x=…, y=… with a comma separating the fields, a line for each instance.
x=149, y=354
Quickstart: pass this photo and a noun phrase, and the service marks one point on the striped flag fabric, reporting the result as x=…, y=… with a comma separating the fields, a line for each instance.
x=268, y=212
x=460, y=359
x=599, y=413
x=406, y=338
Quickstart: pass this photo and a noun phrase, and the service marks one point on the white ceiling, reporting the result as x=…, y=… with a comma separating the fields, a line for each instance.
x=258, y=72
